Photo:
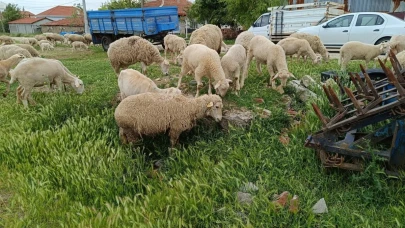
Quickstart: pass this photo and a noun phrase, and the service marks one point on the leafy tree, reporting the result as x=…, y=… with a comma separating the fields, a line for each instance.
x=10, y=13
x=210, y=11
x=120, y=4
x=246, y=12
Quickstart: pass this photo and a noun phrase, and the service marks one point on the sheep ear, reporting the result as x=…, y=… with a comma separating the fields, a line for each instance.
x=275, y=77
x=217, y=85
x=209, y=105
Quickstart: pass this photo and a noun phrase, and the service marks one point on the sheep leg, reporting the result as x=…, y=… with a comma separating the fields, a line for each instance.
x=25, y=94
x=236, y=77
x=246, y=68
x=19, y=92
x=123, y=137
x=271, y=73
x=258, y=68
x=144, y=68
x=8, y=86
x=198, y=74
x=174, y=137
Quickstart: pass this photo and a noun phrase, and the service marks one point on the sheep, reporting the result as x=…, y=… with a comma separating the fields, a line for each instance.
x=53, y=38
x=209, y=35
x=46, y=47
x=301, y=47
x=233, y=63
x=9, y=50
x=315, y=43
x=75, y=37
x=401, y=58
x=132, y=82
x=88, y=38
x=203, y=61
x=40, y=37
x=155, y=113
x=174, y=44
x=265, y=52
x=5, y=66
x=37, y=72
x=396, y=44
x=29, y=48
x=43, y=41
x=355, y=50
x=129, y=50
x=6, y=40
x=32, y=41
x=79, y=45
x=244, y=38
x=21, y=40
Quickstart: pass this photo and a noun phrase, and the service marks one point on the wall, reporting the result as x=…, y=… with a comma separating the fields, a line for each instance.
x=58, y=29
x=27, y=28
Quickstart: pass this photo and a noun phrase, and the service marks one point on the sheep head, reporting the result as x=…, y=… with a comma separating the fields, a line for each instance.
x=78, y=85
x=384, y=47
x=214, y=107
x=318, y=59
x=164, y=66
x=179, y=58
x=283, y=75
x=221, y=87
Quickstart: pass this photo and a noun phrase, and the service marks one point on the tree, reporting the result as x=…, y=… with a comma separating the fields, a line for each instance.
x=11, y=13
x=120, y=4
x=210, y=11
x=246, y=12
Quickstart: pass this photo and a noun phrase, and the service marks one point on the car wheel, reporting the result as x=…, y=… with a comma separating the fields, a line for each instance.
x=384, y=39
x=105, y=42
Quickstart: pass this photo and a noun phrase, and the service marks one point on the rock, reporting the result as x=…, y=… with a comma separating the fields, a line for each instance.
x=307, y=81
x=303, y=93
x=320, y=207
x=244, y=198
x=249, y=187
x=237, y=118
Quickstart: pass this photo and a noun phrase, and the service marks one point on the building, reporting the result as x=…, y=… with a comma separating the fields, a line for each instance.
x=182, y=6
x=60, y=12
x=26, y=14
x=27, y=25
x=65, y=25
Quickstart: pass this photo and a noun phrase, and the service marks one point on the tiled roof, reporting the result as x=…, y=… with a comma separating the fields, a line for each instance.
x=27, y=20
x=182, y=5
x=26, y=13
x=59, y=11
x=77, y=21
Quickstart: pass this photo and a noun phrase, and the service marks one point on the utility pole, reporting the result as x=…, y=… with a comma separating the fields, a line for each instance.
x=86, y=24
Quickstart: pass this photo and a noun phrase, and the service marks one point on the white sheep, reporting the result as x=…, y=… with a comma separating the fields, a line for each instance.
x=53, y=38
x=204, y=61
x=43, y=41
x=79, y=45
x=5, y=66
x=21, y=40
x=75, y=37
x=150, y=114
x=355, y=50
x=127, y=51
x=46, y=46
x=36, y=72
x=29, y=48
x=209, y=35
x=88, y=38
x=32, y=41
x=301, y=47
x=7, y=51
x=265, y=52
x=174, y=45
x=315, y=43
x=6, y=40
x=40, y=37
x=244, y=39
x=132, y=82
x=233, y=63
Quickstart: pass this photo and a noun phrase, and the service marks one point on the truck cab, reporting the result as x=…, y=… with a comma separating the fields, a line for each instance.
x=261, y=25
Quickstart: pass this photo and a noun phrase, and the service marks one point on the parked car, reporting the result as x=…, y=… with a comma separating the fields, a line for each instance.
x=367, y=27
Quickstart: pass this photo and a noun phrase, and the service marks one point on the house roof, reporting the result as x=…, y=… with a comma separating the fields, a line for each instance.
x=27, y=20
x=59, y=11
x=26, y=13
x=182, y=5
x=77, y=21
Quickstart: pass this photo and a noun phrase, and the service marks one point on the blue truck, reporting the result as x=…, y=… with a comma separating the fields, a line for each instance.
x=152, y=23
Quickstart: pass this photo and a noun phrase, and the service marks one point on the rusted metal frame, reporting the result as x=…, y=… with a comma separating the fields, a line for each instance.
x=392, y=79
x=376, y=102
x=354, y=101
x=339, y=83
x=362, y=85
x=397, y=67
x=335, y=100
x=369, y=83
x=353, y=79
x=324, y=120
x=336, y=118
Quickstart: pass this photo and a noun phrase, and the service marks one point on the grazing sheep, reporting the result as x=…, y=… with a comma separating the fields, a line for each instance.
x=132, y=82
x=37, y=72
x=233, y=64
x=127, y=51
x=75, y=37
x=29, y=48
x=46, y=46
x=265, y=52
x=355, y=50
x=88, y=38
x=208, y=35
x=6, y=40
x=53, y=38
x=175, y=45
x=9, y=50
x=301, y=47
x=5, y=66
x=154, y=113
x=40, y=37
x=43, y=41
x=244, y=39
x=315, y=43
x=79, y=45
x=32, y=41
x=397, y=43
x=203, y=61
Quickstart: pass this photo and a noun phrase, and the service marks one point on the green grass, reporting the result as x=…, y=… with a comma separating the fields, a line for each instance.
x=62, y=164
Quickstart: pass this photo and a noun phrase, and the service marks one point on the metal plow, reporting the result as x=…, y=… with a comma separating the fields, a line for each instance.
x=369, y=121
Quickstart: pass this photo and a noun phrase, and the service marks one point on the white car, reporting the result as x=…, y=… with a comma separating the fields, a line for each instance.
x=367, y=27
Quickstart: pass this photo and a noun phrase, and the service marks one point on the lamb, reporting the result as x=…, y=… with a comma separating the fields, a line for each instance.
x=203, y=61
x=75, y=37
x=301, y=47
x=244, y=39
x=40, y=37
x=132, y=82
x=29, y=48
x=265, y=52
x=6, y=40
x=43, y=41
x=355, y=50
x=79, y=45
x=315, y=43
x=5, y=66
x=155, y=113
x=46, y=46
x=37, y=72
x=233, y=64
x=127, y=51
x=174, y=44
x=9, y=50
x=209, y=35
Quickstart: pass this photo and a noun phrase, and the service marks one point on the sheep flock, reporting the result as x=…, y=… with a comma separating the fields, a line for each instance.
x=147, y=110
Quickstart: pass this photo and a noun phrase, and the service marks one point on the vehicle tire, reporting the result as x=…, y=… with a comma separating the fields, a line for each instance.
x=384, y=39
x=105, y=42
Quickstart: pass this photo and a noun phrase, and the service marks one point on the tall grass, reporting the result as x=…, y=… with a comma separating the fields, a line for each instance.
x=62, y=164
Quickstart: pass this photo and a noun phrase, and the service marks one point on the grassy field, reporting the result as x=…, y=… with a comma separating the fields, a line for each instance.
x=62, y=164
